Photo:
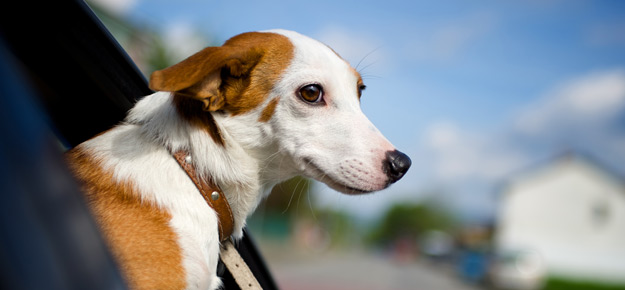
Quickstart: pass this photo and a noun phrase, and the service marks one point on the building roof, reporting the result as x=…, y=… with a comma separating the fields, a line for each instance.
x=566, y=156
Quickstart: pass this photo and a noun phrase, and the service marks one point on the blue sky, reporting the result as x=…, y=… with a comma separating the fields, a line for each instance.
x=473, y=91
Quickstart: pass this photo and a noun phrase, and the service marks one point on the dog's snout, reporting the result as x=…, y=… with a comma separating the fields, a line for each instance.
x=396, y=165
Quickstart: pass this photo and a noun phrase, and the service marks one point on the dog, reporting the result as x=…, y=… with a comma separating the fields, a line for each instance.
x=261, y=108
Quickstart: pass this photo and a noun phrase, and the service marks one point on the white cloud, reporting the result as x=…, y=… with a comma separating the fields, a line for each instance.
x=462, y=155
x=586, y=113
x=588, y=101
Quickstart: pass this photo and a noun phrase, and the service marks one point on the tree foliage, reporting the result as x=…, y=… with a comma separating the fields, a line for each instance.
x=409, y=220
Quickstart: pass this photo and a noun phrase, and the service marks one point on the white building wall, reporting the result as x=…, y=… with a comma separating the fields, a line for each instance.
x=572, y=215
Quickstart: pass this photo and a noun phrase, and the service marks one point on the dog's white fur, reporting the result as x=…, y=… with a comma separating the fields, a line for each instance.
x=335, y=144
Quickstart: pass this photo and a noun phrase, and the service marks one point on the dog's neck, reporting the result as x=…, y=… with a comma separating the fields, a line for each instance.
x=241, y=166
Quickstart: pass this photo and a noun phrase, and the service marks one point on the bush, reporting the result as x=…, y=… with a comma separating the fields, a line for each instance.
x=556, y=283
x=406, y=220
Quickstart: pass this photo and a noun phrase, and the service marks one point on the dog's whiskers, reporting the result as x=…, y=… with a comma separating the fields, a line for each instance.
x=299, y=196
x=290, y=200
x=364, y=57
x=368, y=76
x=312, y=211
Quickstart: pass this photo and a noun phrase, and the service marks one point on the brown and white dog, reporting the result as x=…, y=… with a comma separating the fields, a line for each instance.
x=262, y=108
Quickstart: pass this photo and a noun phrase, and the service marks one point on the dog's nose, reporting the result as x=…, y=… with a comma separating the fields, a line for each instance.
x=396, y=165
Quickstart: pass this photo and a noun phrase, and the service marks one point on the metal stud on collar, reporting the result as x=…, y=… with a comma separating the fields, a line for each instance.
x=215, y=195
x=188, y=159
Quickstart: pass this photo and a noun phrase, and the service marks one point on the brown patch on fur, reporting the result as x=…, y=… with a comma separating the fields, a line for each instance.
x=235, y=77
x=359, y=83
x=191, y=110
x=267, y=112
x=137, y=232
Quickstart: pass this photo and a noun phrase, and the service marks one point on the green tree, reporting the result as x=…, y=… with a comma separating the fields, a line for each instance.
x=409, y=220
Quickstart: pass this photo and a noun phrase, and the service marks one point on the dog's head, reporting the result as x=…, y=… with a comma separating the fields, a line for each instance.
x=292, y=102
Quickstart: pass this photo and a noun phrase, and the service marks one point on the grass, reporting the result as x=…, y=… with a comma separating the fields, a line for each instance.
x=557, y=283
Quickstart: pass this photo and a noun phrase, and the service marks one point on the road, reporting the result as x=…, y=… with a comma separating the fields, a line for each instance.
x=358, y=270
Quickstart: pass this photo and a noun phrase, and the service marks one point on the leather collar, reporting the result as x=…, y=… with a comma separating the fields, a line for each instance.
x=212, y=194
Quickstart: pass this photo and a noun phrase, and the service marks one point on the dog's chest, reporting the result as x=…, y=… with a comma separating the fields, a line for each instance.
x=159, y=180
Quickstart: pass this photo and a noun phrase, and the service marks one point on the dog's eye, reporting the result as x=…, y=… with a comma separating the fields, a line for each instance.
x=311, y=93
x=360, y=89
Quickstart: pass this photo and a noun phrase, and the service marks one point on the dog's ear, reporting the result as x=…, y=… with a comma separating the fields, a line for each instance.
x=210, y=75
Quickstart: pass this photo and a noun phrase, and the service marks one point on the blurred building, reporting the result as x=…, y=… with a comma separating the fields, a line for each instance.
x=565, y=219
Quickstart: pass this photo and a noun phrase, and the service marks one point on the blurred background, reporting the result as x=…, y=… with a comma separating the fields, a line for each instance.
x=513, y=113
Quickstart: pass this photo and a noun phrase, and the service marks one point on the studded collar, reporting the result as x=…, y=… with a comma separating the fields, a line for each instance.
x=211, y=193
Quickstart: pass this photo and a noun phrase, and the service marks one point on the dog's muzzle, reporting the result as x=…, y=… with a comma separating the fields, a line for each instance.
x=396, y=165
